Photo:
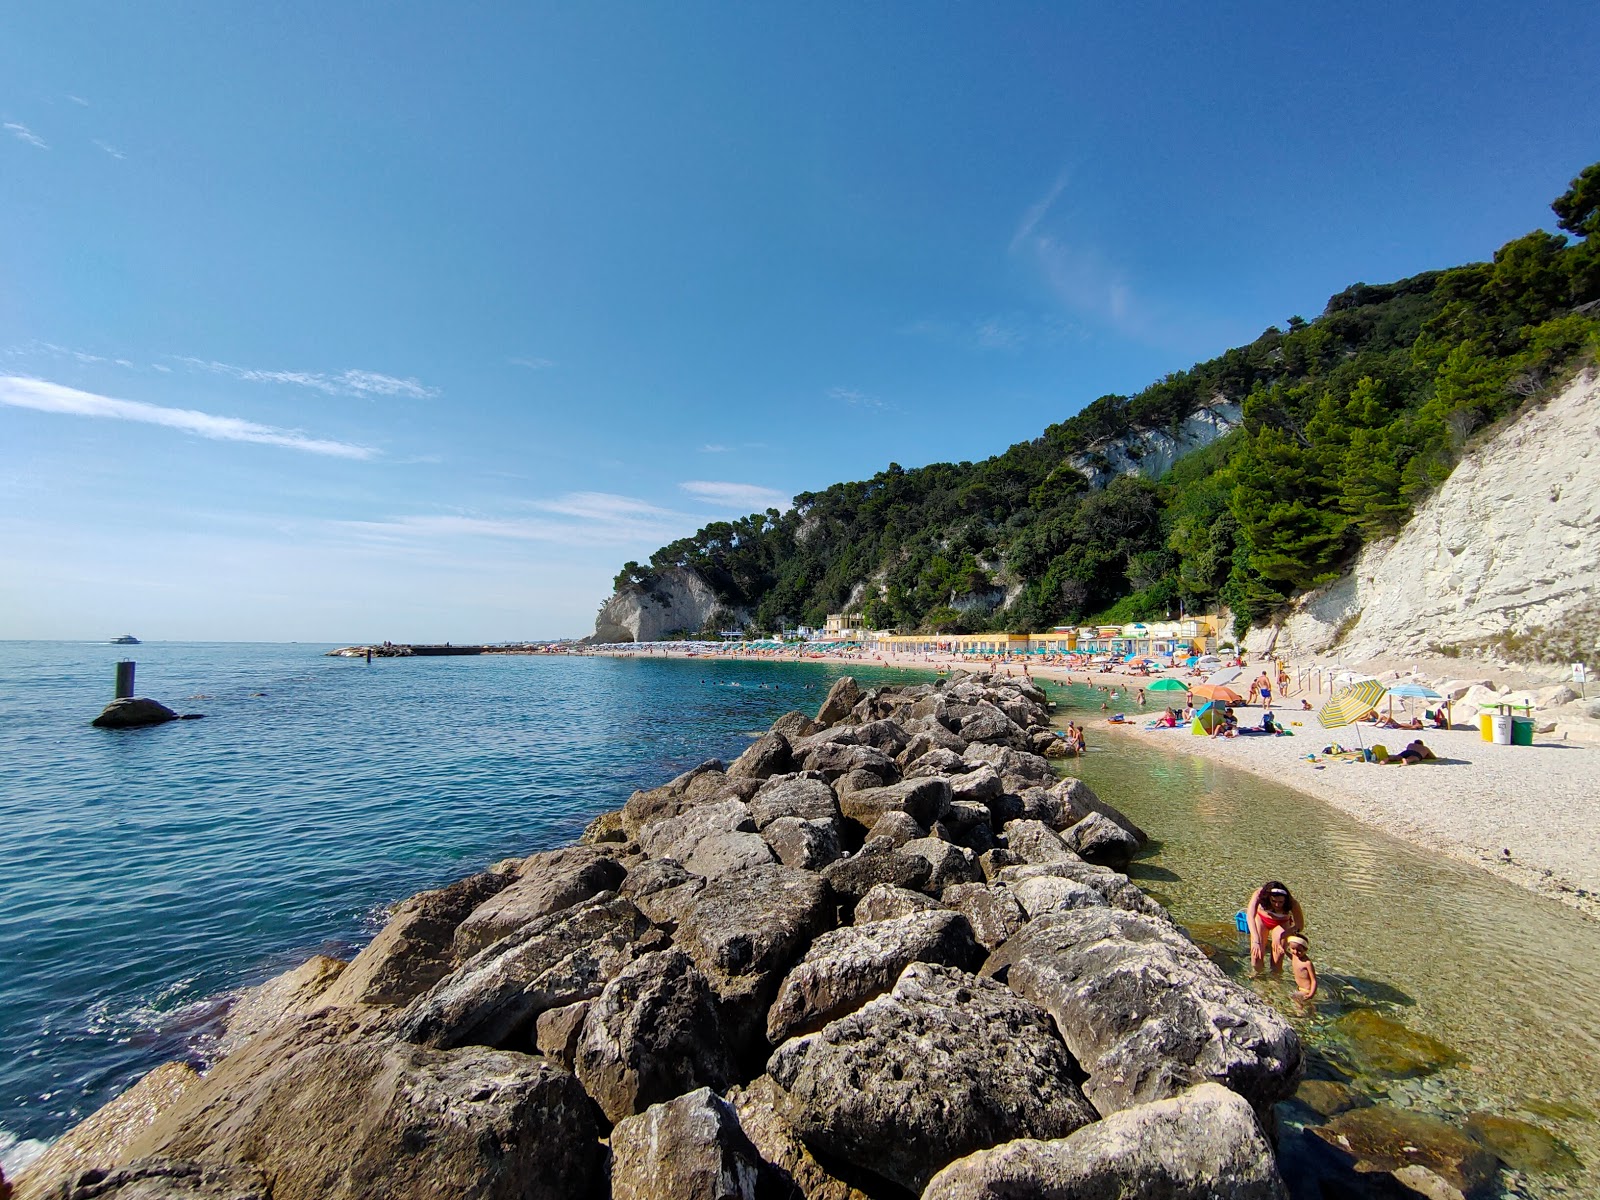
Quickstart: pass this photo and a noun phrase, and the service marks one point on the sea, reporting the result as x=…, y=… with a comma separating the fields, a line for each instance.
x=151, y=874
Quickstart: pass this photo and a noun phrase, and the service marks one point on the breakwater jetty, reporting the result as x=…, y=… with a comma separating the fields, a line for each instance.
x=884, y=952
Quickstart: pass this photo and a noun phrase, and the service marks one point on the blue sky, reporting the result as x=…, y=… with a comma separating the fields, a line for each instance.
x=354, y=321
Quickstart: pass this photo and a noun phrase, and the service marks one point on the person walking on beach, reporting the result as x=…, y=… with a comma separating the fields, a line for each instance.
x=1271, y=914
x=1264, y=685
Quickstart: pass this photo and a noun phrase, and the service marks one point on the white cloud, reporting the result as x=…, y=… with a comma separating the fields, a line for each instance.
x=42, y=396
x=715, y=448
x=344, y=383
x=77, y=100
x=575, y=519
x=860, y=399
x=533, y=363
x=747, y=497
x=111, y=150
x=601, y=506
x=23, y=134
x=1037, y=212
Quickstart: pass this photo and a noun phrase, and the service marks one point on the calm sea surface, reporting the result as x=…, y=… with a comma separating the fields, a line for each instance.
x=149, y=873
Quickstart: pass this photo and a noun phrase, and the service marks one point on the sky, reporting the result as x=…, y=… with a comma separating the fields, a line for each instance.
x=387, y=320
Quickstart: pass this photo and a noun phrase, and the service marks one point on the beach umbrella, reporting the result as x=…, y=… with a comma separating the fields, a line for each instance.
x=1226, y=675
x=1415, y=691
x=1350, y=704
x=1167, y=685
x=1215, y=691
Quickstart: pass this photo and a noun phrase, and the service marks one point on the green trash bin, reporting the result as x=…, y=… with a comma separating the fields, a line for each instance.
x=1522, y=731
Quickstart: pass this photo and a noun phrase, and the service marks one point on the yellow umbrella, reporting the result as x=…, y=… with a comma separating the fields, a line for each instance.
x=1350, y=704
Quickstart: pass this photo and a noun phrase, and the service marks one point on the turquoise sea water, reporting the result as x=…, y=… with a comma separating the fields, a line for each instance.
x=149, y=872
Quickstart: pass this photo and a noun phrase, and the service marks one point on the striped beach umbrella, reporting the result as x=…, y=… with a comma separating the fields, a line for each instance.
x=1349, y=704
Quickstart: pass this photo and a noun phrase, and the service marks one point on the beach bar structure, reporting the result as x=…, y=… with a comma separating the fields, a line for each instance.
x=1157, y=639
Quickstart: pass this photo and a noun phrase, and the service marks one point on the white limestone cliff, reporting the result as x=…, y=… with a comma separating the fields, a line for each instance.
x=1152, y=452
x=678, y=599
x=1504, y=557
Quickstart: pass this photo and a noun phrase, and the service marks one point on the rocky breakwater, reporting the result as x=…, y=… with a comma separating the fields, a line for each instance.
x=885, y=952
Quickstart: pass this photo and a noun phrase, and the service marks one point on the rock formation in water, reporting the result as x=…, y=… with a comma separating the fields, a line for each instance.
x=1502, y=558
x=875, y=955
x=133, y=712
x=674, y=599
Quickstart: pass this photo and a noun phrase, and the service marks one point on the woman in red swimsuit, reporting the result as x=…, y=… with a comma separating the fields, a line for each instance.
x=1272, y=915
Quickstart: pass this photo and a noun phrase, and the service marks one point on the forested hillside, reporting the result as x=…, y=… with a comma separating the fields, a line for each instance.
x=1348, y=421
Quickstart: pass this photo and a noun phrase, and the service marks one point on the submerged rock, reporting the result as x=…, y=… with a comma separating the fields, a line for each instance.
x=1380, y=1045
x=1384, y=1138
x=1521, y=1145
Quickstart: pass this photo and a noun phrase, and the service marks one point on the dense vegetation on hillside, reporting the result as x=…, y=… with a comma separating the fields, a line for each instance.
x=1349, y=420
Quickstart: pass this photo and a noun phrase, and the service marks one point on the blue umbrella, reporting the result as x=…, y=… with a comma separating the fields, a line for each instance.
x=1414, y=691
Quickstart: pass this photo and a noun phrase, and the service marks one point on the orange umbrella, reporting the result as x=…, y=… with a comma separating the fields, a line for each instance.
x=1216, y=691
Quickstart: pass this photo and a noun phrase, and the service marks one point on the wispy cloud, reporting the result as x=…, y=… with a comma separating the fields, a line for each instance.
x=77, y=100
x=41, y=396
x=532, y=362
x=342, y=383
x=860, y=399
x=573, y=519
x=1037, y=212
x=109, y=149
x=603, y=506
x=23, y=134
x=1008, y=333
x=747, y=497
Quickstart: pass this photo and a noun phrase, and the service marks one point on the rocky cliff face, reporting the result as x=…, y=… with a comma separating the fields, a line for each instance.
x=677, y=598
x=1152, y=452
x=1502, y=557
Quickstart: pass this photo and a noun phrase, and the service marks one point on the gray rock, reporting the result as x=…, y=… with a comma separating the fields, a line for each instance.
x=981, y=784
x=726, y=853
x=888, y=736
x=329, y=1116
x=690, y=1148
x=991, y=910
x=494, y=997
x=989, y=724
x=744, y=932
x=996, y=860
x=1145, y=1012
x=920, y=799
x=662, y=889
x=546, y=883
x=1078, y=800
x=795, y=725
x=935, y=761
x=679, y=835
x=1036, y=842
x=133, y=712
x=806, y=797
x=811, y=845
x=557, y=1031
x=653, y=1034
x=416, y=948
x=767, y=756
x=962, y=816
x=834, y=759
x=1041, y=894
x=943, y=1065
x=708, y=781
x=1199, y=1145
x=167, y=1179
x=856, y=781
x=878, y=861
x=604, y=829
x=884, y=902
x=897, y=827
x=1098, y=839
x=847, y=967
x=796, y=1170
x=293, y=993
x=842, y=697
x=947, y=862
x=1116, y=888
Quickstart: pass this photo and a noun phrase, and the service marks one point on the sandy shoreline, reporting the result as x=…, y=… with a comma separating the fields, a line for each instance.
x=1539, y=803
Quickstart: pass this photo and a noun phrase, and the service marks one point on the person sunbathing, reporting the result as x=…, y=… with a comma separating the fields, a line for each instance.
x=1414, y=753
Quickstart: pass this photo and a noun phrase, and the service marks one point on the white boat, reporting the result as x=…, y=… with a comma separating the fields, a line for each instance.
x=126, y=639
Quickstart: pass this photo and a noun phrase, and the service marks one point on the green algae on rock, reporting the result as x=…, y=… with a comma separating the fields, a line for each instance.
x=1521, y=1145
x=1380, y=1045
x=1384, y=1138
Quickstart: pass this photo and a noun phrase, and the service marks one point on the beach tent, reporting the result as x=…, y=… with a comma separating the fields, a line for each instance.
x=1206, y=718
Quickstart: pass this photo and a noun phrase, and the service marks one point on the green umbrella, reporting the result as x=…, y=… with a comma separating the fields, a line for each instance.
x=1168, y=685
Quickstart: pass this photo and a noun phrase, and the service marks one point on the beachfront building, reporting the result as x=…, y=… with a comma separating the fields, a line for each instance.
x=844, y=627
x=1155, y=639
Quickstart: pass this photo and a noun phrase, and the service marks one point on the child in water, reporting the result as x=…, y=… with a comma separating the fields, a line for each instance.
x=1298, y=952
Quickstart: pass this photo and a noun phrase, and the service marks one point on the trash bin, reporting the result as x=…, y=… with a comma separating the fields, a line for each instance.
x=1501, y=724
x=1522, y=731
x=1486, y=726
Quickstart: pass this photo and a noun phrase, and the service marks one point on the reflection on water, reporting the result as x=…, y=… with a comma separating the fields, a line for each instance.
x=1446, y=990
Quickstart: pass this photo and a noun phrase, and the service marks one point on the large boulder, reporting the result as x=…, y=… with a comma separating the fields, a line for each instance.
x=797, y=842
x=1200, y=1145
x=678, y=836
x=1040, y=894
x=805, y=796
x=897, y=828
x=105, y=1136
x=947, y=863
x=988, y=724
x=794, y=725
x=653, y=1034
x=933, y=760
x=1098, y=839
x=1036, y=842
x=168, y=1179
x=1145, y=1012
x=833, y=760
x=416, y=948
x=296, y=992
x=133, y=712
x=744, y=932
x=878, y=861
x=329, y=1116
x=546, y=883
x=690, y=1148
x=842, y=697
x=708, y=781
x=991, y=910
x=888, y=736
x=920, y=799
x=847, y=967
x=943, y=1065
x=662, y=889
x=795, y=1169
x=494, y=997
x=1077, y=800
x=767, y=756
x=884, y=902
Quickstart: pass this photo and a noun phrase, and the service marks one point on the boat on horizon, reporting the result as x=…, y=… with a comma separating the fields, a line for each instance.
x=126, y=639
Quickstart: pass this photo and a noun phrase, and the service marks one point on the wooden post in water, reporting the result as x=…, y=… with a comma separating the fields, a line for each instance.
x=125, y=679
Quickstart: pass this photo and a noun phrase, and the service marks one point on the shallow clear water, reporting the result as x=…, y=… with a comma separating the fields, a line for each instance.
x=148, y=872
x=1507, y=979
